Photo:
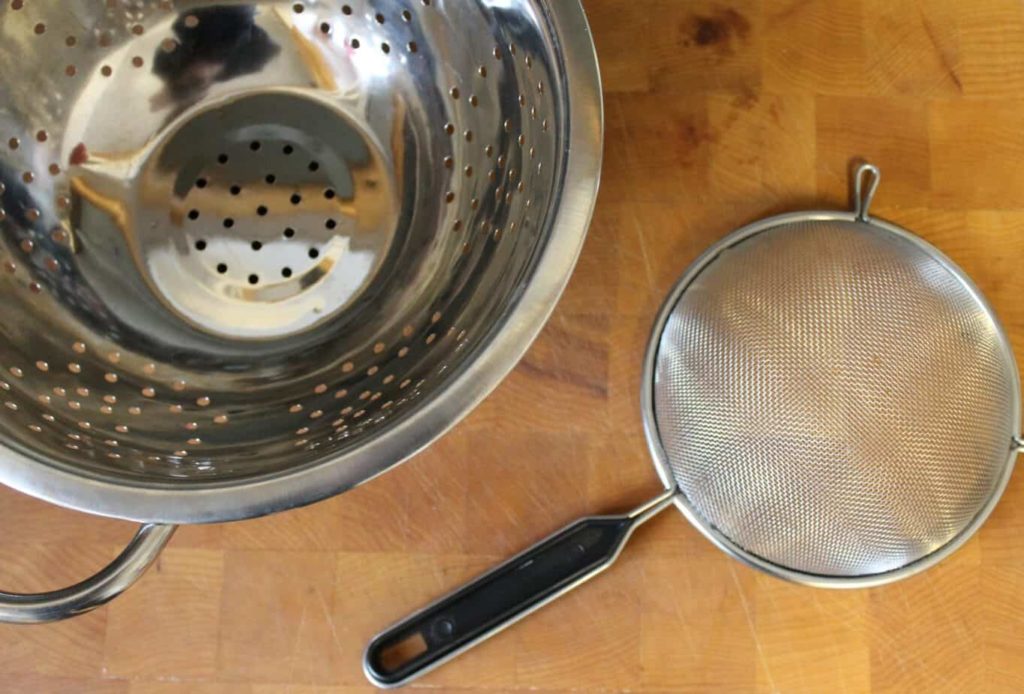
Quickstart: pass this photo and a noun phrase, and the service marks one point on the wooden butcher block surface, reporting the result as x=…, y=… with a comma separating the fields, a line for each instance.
x=717, y=113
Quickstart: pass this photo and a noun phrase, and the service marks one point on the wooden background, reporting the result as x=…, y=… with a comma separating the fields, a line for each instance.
x=718, y=113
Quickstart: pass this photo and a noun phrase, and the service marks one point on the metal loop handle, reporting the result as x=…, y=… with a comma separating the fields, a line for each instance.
x=106, y=585
x=869, y=174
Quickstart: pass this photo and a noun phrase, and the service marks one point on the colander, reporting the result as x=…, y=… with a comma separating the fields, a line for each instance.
x=826, y=397
x=255, y=253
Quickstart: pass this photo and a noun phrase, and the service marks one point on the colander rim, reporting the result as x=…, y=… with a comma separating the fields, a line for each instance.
x=660, y=456
x=194, y=503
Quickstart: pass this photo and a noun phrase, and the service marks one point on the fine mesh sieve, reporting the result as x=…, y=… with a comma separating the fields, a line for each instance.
x=827, y=397
x=254, y=253
x=834, y=398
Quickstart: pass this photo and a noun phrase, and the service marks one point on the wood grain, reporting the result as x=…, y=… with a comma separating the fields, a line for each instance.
x=718, y=112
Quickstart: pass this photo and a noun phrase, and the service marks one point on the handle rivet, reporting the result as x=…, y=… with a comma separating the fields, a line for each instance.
x=443, y=628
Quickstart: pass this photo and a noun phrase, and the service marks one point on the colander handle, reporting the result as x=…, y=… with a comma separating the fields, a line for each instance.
x=503, y=596
x=106, y=585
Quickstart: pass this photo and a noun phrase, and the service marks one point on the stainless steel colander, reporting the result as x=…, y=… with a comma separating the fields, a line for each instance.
x=827, y=398
x=254, y=253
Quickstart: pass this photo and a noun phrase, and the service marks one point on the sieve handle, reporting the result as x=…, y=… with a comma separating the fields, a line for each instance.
x=106, y=585
x=502, y=596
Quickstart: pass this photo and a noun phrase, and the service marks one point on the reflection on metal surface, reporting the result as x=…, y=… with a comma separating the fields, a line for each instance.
x=268, y=249
x=327, y=180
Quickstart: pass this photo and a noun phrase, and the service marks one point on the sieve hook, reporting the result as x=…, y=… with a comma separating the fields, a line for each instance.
x=870, y=175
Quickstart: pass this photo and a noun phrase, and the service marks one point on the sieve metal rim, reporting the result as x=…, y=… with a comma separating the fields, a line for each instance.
x=572, y=210
x=660, y=457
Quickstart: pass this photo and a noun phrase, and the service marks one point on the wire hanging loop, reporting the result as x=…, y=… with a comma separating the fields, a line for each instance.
x=865, y=185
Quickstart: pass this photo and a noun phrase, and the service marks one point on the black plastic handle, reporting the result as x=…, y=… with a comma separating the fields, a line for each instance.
x=496, y=600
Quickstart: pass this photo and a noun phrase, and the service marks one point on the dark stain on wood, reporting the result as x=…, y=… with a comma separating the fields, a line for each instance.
x=746, y=98
x=720, y=28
